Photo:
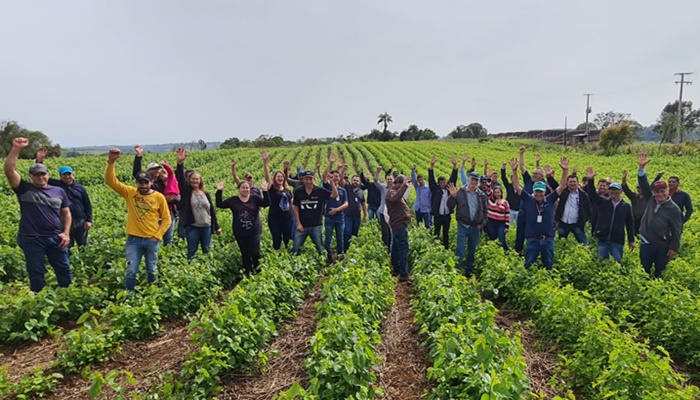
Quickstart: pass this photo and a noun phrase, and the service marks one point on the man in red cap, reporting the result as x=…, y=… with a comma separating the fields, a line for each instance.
x=661, y=225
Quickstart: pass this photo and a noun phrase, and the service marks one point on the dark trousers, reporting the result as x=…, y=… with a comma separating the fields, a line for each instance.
x=655, y=256
x=386, y=231
x=352, y=228
x=520, y=232
x=497, y=230
x=78, y=234
x=250, y=252
x=399, y=251
x=36, y=249
x=442, y=222
x=281, y=229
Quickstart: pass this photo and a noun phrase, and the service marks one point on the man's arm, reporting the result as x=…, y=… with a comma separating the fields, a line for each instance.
x=137, y=160
x=414, y=180
x=394, y=196
x=564, y=164
x=642, y=161
x=11, y=161
x=164, y=211
x=625, y=188
x=234, y=173
x=66, y=221
x=180, y=168
x=688, y=208
x=629, y=224
x=521, y=160
x=295, y=211
x=110, y=177
x=590, y=186
x=514, y=176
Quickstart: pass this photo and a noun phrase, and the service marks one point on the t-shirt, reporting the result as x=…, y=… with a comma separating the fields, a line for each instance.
x=356, y=197
x=311, y=206
x=201, y=210
x=335, y=203
x=246, y=215
x=40, y=209
x=533, y=225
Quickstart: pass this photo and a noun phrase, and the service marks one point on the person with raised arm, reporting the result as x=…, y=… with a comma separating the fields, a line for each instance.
x=334, y=216
x=422, y=204
x=399, y=219
x=158, y=184
x=248, y=177
x=147, y=220
x=472, y=216
x=462, y=170
x=661, y=225
x=636, y=199
x=374, y=197
x=247, y=227
x=539, y=212
x=356, y=213
x=614, y=216
x=45, y=220
x=80, y=204
x=382, y=213
x=528, y=183
x=499, y=217
x=197, y=212
x=439, y=208
x=512, y=197
x=308, y=205
x=280, y=219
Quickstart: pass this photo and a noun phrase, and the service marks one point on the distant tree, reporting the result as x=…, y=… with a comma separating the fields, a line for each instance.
x=591, y=126
x=667, y=127
x=610, y=118
x=615, y=136
x=472, y=131
x=667, y=123
x=427, y=134
x=410, y=134
x=202, y=144
x=384, y=119
x=230, y=143
x=9, y=130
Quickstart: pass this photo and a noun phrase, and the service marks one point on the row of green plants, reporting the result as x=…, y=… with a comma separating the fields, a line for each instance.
x=234, y=333
x=663, y=311
x=472, y=357
x=599, y=358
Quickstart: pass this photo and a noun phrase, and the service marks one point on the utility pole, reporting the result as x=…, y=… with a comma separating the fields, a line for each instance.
x=588, y=111
x=682, y=82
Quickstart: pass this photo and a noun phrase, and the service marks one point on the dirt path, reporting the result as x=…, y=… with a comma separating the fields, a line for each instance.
x=284, y=368
x=402, y=375
x=541, y=356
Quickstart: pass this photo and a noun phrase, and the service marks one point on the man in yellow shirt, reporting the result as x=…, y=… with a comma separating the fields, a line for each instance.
x=145, y=208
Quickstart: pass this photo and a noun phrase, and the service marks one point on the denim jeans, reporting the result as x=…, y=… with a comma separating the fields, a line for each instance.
x=372, y=212
x=168, y=236
x=580, y=234
x=399, y=251
x=36, y=249
x=337, y=226
x=535, y=247
x=300, y=238
x=607, y=249
x=653, y=255
x=467, y=236
x=197, y=235
x=282, y=230
x=423, y=217
x=514, y=216
x=78, y=234
x=136, y=248
x=497, y=230
x=442, y=223
x=520, y=232
x=352, y=228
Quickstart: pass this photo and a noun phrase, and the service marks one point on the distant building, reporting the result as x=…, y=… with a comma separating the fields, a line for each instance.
x=556, y=136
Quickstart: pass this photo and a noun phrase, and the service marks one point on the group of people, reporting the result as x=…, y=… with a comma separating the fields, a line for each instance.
x=56, y=214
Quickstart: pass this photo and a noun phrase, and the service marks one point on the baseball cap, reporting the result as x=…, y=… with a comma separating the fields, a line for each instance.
x=539, y=186
x=659, y=185
x=303, y=173
x=153, y=165
x=38, y=168
x=65, y=170
x=615, y=186
x=143, y=176
x=474, y=175
x=484, y=178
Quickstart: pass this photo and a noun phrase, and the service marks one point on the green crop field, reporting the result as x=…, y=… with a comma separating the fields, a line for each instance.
x=588, y=329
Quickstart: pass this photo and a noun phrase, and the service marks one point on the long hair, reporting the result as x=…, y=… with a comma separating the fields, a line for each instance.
x=284, y=180
x=201, y=180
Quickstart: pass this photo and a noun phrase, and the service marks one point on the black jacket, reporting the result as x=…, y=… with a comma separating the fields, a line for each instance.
x=436, y=193
x=584, y=207
x=184, y=206
x=612, y=221
x=463, y=217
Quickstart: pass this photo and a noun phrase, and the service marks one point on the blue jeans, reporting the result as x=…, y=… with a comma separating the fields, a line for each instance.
x=580, y=235
x=168, y=236
x=653, y=255
x=423, y=217
x=282, y=230
x=535, y=247
x=607, y=249
x=399, y=251
x=497, y=230
x=136, y=248
x=197, y=235
x=372, y=212
x=337, y=226
x=300, y=238
x=35, y=249
x=352, y=228
x=514, y=216
x=467, y=236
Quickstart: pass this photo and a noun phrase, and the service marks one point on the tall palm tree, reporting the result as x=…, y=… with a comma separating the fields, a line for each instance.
x=384, y=119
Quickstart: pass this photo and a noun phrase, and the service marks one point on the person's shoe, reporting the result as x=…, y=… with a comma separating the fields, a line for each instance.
x=394, y=274
x=405, y=279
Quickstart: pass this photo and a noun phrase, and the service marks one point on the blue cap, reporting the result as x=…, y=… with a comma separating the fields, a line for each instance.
x=306, y=173
x=65, y=170
x=615, y=186
x=539, y=186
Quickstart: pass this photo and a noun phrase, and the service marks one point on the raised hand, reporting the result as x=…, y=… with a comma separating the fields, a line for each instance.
x=589, y=172
x=489, y=172
x=660, y=174
x=264, y=186
x=331, y=158
x=379, y=168
x=20, y=142
x=138, y=150
x=513, y=164
x=521, y=150
x=465, y=157
x=233, y=163
x=452, y=189
x=433, y=160
x=285, y=165
x=564, y=163
x=393, y=165
x=473, y=162
x=575, y=170
x=486, y=163
x=538, y=157
x=181, y=155
x=454, y=160
x=41, y=153
x=548, y=170
x=414, y=166
x=503, y=166
x=265, y=155
x=221, y=185
x=114, y=154
x=643, y=160
x=624, y=175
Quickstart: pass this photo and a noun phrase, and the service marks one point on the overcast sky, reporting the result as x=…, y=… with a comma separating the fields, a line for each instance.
x=89, y=72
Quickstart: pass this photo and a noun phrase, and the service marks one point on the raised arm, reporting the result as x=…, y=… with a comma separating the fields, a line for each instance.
x=266, y=166
x=521, y=152
x=11, y=161
x=564, y=164
x=413, y=176
x=329, y=166
x=453, y=174
x=590, y=186
x=180, y=168
x=137, y=160
x=234, y=173
x=431, y=174
x=642, y=161
x=514, y=176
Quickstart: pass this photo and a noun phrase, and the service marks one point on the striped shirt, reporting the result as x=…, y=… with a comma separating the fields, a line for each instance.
x=499, y=210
